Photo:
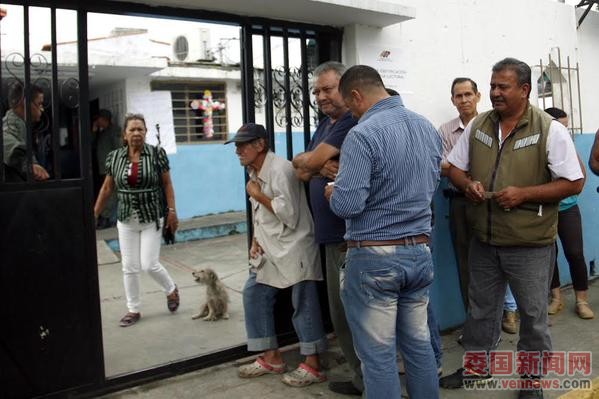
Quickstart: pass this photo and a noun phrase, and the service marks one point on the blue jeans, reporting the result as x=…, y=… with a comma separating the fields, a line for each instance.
x=509, y=303
x=258, y=305
x=385, y=293
x=433, y=329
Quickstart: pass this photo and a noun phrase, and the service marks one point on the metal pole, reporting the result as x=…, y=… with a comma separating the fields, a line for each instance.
x=268, y=103
x=1, y=124
x=579, y=100
x=561, y=81
x=288, y=132
x=55, y=136
x=542, y=84
x=247, y=55
x=27, y=95
x=305, y=91
x=570, y=93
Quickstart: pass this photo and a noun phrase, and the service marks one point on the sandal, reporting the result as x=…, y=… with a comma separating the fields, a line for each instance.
x=303, y=375
x=172, y=300
x=260, y=367
x=129, y=319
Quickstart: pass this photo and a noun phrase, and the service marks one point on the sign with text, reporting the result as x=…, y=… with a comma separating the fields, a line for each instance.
x=389, y=62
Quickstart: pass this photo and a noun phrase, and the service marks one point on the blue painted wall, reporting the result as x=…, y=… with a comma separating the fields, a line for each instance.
x=209, y=179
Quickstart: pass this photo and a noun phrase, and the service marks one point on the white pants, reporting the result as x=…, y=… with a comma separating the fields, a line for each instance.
x=140, y=250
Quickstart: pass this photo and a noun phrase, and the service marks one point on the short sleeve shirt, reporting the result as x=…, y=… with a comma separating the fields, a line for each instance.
x=328, y=227
x=145, y=198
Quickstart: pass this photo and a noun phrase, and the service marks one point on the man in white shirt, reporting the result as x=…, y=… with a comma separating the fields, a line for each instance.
x=514, y=164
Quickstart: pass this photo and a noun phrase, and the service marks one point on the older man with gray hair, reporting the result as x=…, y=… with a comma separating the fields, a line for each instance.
x=319, y=166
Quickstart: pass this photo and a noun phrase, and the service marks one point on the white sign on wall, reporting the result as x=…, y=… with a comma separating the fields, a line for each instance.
x=389, y=62
x=156, y=107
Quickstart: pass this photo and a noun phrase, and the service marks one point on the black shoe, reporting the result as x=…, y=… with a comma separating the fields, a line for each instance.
x=344, y=388
x=532, y=389
x=458, y=380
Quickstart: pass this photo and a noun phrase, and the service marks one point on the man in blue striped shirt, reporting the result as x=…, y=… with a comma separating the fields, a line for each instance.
x=389, y=170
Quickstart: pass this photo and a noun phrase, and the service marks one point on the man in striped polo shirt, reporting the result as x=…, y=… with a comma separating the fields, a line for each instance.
x=389, y=268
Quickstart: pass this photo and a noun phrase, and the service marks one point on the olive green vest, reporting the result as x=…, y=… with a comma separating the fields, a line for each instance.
x=520, y=162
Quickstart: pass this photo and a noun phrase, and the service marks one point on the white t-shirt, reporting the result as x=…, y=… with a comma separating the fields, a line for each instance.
x=561, y=153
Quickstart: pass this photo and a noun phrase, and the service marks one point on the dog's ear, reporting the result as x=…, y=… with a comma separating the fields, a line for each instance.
x=211, y=275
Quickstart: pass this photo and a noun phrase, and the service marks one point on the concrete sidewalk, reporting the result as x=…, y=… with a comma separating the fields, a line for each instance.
x=161, y=337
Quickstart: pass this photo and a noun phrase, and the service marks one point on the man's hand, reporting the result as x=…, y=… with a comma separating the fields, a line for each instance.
x=330, y=169
x=256, y=250
x=253, y=189
x=475, y=191
x=328, y=191
x=510, y=197
x=39, y=173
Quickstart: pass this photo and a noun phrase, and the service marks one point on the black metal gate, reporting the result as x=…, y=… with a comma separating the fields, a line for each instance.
x=51, y=334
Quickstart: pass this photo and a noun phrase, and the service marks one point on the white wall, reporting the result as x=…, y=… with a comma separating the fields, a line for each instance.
x=465, y=38
x=588, y=51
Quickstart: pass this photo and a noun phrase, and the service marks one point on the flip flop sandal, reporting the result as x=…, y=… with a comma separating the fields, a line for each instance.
x=303, y=376
x=260, y=367
x=129, y=319
x=172, y=300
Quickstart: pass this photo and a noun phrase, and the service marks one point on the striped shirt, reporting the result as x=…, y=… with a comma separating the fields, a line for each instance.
x=145, y=198
x=450, y=133
x=390, y=168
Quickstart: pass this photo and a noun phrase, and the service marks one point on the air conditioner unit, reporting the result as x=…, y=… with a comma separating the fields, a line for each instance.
x=192, y=46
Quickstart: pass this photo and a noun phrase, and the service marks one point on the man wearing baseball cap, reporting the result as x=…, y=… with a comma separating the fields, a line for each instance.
x=283, y=254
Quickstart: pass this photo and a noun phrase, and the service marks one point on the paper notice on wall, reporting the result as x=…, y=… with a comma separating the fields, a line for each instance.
x=390, y=64
x=156, y=107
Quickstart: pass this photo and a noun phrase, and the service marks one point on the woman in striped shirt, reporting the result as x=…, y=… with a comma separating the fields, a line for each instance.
x=135, y=170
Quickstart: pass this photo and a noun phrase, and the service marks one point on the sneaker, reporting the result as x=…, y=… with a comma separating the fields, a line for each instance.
x=344, y=388
x=260, y=367
x=584, y=311
x=555, y=306
x=509, y=324
x=458, y=379
x=533, y=389
x=303, y=375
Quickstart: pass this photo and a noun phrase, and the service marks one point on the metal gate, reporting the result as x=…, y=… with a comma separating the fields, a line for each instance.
x=51, y=335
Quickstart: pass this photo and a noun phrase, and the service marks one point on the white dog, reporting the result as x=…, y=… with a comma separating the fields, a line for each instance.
x=217, y=299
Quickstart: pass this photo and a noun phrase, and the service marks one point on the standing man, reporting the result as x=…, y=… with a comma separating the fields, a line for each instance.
x=107, y=137
x=389, y=268
x=14, y=131
x=465, y=97
x=594, y=158
x=283, y=254
x=319, y=166
x=514, y=164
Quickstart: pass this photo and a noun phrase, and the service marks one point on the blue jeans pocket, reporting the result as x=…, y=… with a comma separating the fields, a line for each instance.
x=380, y=286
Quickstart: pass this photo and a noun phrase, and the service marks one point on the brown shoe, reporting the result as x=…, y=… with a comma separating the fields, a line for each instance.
x=129, y=319
x=584, y=311
x=172, y=300
x=508, y=324
x=555, y=306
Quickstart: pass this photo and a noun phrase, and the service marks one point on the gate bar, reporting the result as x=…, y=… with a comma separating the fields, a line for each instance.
x=305, y=91
x=27, y=95
x=268, y=103
x=288, y=132
x=55, y=136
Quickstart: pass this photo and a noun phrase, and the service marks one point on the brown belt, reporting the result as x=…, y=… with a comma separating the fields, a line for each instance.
x=412, y=240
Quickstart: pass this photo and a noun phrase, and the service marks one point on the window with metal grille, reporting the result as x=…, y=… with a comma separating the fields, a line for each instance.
x=199, y=110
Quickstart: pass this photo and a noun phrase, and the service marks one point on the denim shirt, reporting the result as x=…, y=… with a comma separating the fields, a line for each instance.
x=389, y=171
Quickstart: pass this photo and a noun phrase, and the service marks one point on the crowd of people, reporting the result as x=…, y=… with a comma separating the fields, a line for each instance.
x=371, y=169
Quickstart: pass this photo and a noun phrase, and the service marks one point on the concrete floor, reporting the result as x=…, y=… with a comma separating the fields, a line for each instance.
x=176, y=336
